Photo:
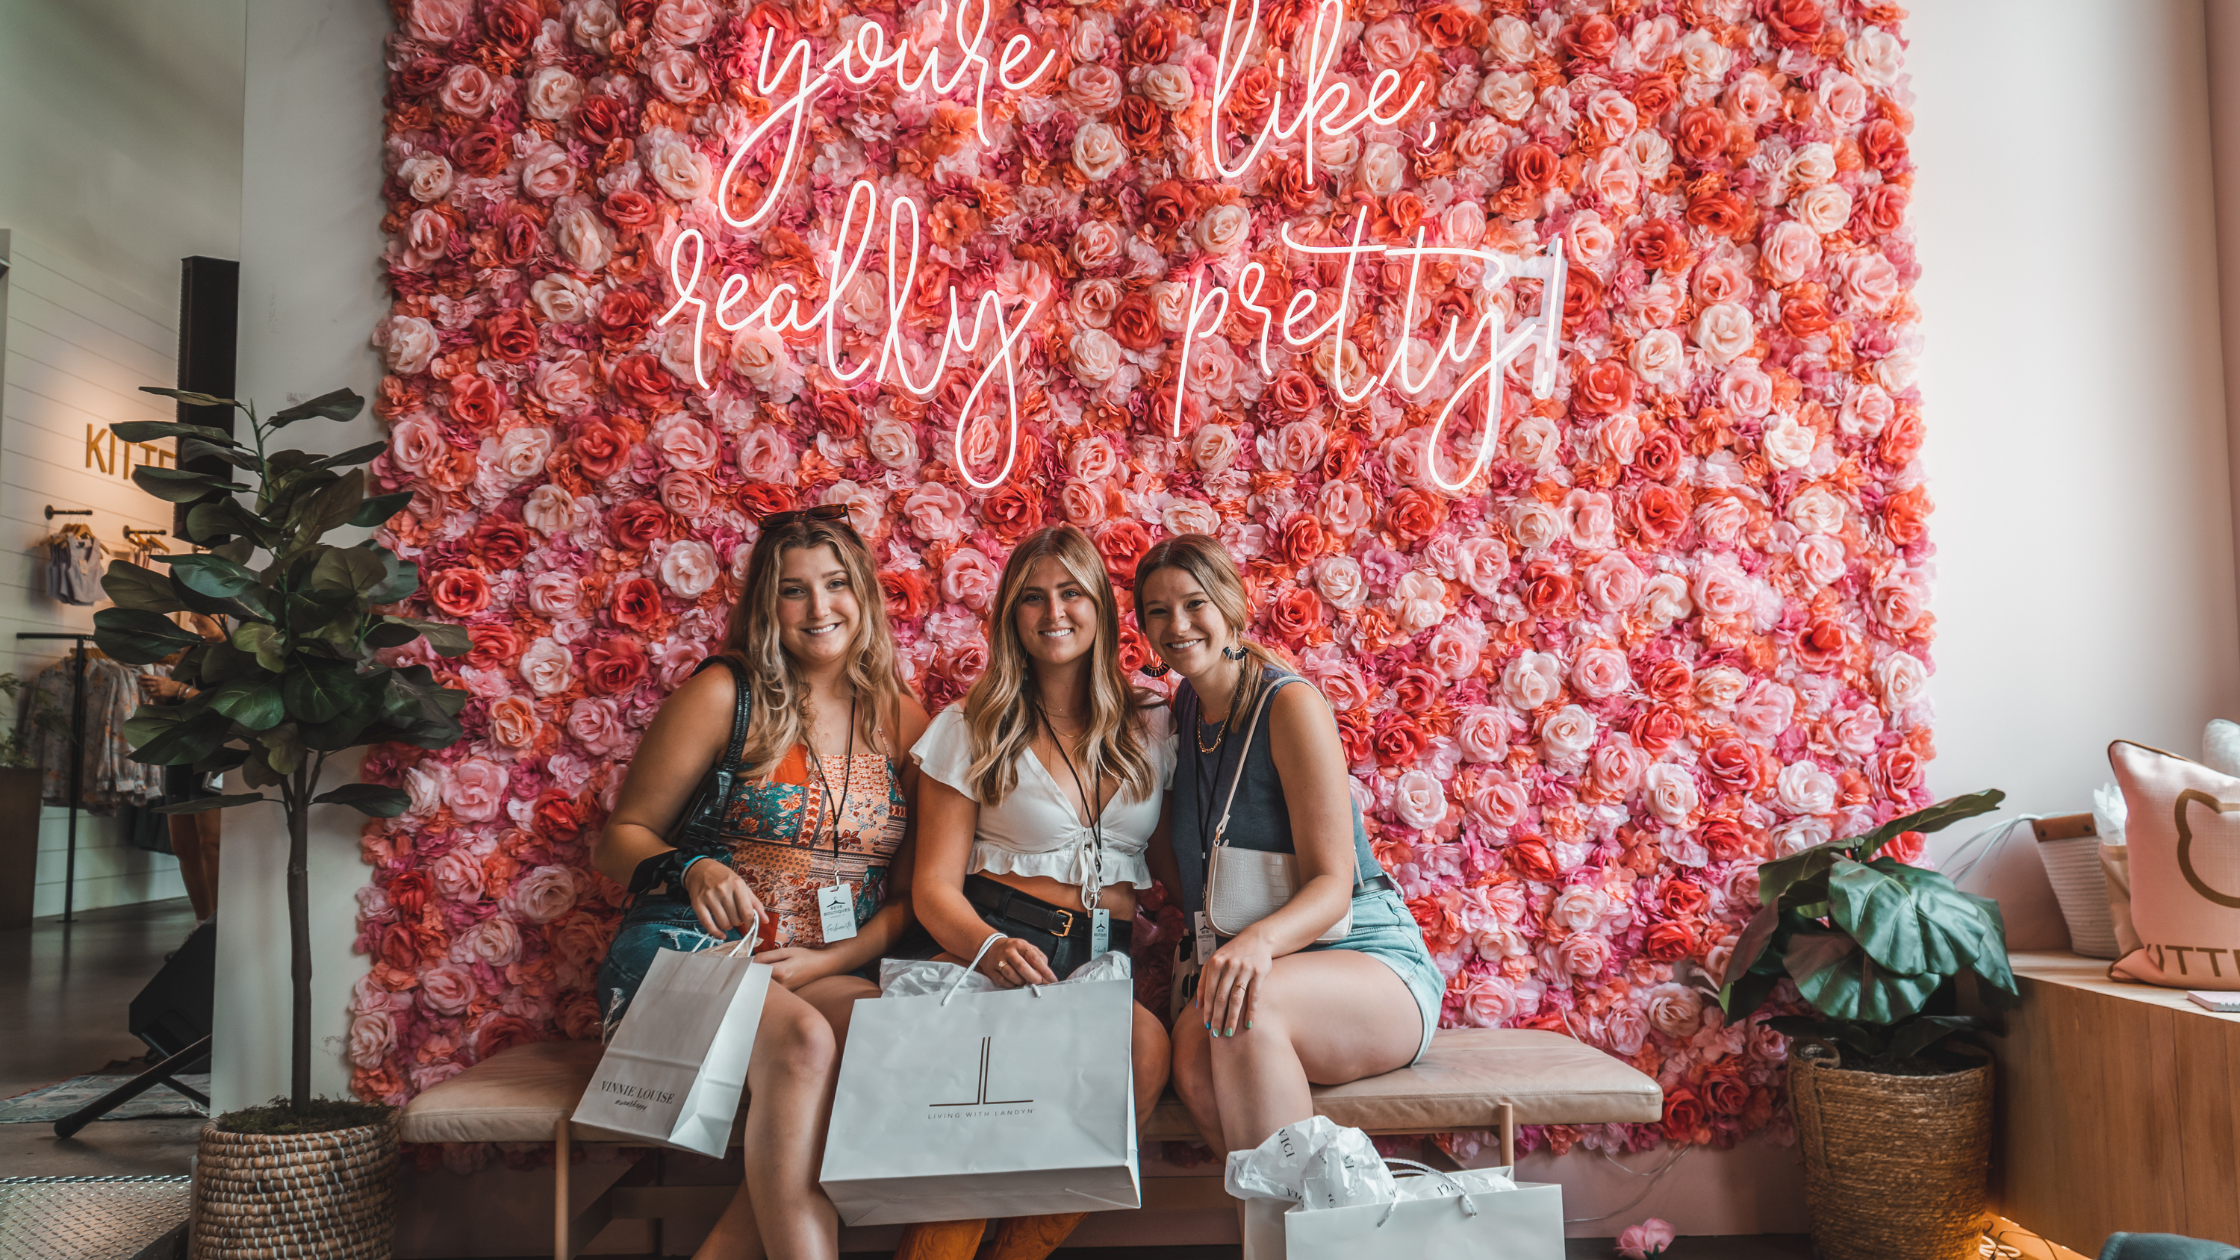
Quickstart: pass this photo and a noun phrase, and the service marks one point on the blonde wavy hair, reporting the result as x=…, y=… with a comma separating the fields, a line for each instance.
x=1002, y=715
x=1209, y=563
x=778, y=696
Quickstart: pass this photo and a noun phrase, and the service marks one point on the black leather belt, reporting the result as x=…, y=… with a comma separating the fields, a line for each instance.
x=1009, y=903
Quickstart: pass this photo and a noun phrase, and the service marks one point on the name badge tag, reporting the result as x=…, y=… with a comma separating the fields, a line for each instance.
x=836, y=906
x=1206, y=943
x=1100, y=931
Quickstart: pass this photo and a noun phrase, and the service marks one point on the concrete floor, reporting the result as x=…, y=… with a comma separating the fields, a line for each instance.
x=63, y=994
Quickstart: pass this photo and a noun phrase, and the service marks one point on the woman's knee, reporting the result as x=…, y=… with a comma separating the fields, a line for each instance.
x=1192, y=1061
x=796, y=1040
x=1152, y=1052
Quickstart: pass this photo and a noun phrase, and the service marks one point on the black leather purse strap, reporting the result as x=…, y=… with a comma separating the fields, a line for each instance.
x=739, y=709
x=710, y=802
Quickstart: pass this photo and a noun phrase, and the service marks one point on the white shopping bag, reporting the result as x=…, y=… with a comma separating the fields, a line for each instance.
x=675, y=1069
x=1475, y=1214
x=963, y=1105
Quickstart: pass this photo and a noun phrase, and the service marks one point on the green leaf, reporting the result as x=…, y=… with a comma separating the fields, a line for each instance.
x=1935, y=818
x=179, y=485
x=204, y=804
x=213, y=575
x=367, y=798
x=1841, y=981
x=224, y=516
x=238, y=551
x=355, y=455
x=1775, y=878
x=1748, y=948
x=376, y=511
x=139, y=637
x=400, y=578
x=257, y=772
x=318, y=691
x=157, y=430
x=133, y=586
x=416, y=710
x=188, y=397
x=195, y=450
x=283, y=749
x=342, y=404
x=445, y=637
x=263, y=642
x=1879, y=912
x=254, y=701
x=1909, y=1039
x=353, y=569
x=1743, y=995
x=332, y=506
x=184, y=742
x=1959, y=930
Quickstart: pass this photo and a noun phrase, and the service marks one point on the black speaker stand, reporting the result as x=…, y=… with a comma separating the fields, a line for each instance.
x=163, y=1073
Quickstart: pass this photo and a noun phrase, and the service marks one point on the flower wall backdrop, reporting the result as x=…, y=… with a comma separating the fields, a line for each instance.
x=1673, y=624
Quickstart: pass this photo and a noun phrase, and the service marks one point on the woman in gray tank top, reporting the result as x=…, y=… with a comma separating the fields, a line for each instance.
x=1274, y=1010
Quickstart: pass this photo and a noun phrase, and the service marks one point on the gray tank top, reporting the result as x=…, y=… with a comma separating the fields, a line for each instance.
x=1259, y=819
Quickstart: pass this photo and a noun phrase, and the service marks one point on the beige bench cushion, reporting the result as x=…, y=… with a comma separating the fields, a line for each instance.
x=519, y=1093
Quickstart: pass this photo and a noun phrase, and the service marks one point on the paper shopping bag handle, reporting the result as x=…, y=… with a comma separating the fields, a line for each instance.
x=1426, y=1170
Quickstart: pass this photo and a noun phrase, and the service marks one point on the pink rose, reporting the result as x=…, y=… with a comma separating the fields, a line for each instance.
x=689, y=568
x=1580, y=956
x=1619, y=766
x=544, y=894
x=1454, y=651
x=1096, y=243
x=1648, y=1239
x=687, y=494
x=1871, y=282
x=372, y=1035
x=936, y=512
x=1482, y=564
x=684, y=22
x=1340, y=581
x=1531, y=680
x=1804, y=788
x=495, y=941
x=1567, y=734
x=566, y=381
x=1600, y=672
x=468, y=90
x=1420, y=600
x=1671, y=793
x=1091, y=458
x=1896, y=603
x=513, y=723
x=1766, y=709
x=1337, y=678
x=1491, y=999
x=686, y=443
x=447, y=989
x=475, y=789
x=1790, y=251
x=1725, y=332
x=679, y=76
x=546, y=172
x=1418, y=800
x=1484, y=734
x=416, y=443
x=1612, y=582
x=970, y=578
x=426, y=176
x=546, y=667
x=555, y=593
x=1345, y=508
x=458, y=875
x=1500, y=802
x=1721, y=589
x=437, y=22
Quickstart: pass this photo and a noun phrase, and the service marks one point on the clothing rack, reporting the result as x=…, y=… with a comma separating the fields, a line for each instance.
x=53, y=512
x=135, y=536
x=77, y=753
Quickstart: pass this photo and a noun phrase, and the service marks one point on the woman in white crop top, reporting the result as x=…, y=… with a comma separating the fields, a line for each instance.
x=1038, y=796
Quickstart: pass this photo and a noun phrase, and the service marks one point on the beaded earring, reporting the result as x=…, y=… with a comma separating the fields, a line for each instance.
x=1157, y=668
x=1232, y=654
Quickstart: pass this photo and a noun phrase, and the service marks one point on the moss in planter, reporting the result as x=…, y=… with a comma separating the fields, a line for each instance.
x=324, y=1115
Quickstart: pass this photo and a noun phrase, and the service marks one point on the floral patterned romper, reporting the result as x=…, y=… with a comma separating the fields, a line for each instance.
x=780, y=838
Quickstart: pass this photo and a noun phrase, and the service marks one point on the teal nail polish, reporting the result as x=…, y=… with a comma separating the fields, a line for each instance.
x=1248, y=1025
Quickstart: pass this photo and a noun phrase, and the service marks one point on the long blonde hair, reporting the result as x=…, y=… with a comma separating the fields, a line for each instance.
x=1002, y=716
x=1209, y=563
x=778, y=695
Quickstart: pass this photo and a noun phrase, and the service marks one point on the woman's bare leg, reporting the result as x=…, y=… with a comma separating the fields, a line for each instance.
x=1324, y=1018
x=789, y=1080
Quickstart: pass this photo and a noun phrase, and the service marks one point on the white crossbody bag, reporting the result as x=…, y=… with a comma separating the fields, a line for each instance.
x=1244, y=886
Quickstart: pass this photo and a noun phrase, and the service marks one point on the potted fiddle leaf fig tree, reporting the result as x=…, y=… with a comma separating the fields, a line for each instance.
x=1876, y=948
x=292, y=683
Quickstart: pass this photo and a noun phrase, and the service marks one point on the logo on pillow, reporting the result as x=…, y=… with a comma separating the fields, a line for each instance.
x=2185, y=846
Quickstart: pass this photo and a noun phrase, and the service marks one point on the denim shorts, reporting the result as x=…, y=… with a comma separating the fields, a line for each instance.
x=650, y=926
x=1384, y=930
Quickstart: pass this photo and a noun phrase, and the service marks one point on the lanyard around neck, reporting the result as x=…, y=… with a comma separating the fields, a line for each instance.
x=1094, y=885
x=825, y=783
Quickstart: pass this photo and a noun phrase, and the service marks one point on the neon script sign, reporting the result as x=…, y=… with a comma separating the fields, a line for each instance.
x=1319, y=109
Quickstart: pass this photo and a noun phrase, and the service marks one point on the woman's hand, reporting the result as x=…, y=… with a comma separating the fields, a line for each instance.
x=797, y=965
x=162, y=690
x=721, y=899
x=1012, y=962
x=1229, y=983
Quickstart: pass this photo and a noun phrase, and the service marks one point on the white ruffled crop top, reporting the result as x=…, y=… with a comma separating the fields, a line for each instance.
x=1037, y=830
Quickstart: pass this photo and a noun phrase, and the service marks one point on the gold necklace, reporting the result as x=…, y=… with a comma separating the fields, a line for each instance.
x=1199, y=735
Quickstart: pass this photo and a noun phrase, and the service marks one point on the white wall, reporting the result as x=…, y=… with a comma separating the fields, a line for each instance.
x=120, y=154
x=310, y=294
x=2074, y=393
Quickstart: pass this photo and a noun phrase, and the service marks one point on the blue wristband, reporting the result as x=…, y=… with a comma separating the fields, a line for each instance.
x=697, y=857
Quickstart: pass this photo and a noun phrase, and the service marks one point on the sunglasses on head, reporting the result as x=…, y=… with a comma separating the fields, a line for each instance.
x=821, y=512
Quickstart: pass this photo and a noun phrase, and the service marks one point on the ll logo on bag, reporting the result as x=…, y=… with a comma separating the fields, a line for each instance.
x=980, y=1097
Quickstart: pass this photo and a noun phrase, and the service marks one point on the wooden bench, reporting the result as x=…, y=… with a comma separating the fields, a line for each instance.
x=1470, y=1079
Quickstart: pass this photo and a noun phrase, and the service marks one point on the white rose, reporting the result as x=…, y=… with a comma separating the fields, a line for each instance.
x=1670, y=792
x=1512, y=40
x=1097, y=150
x=523, y=451
x=563, y=299
x=582, y=238
x=1339, y=580
x=1213, y=448
x=682, y=171
x=550, y=510
x=1381, y=169
x=1903, y=679
x=1896, y=370
x=1579, y=908
x=1811, y=164
x=1568, y=733
x=892, y=443
x=1824, y=208
x=407, y=343
x=553, y=93
x=1508, y=94
x=1721, y=686
x=1531, y=680
x=1876, y=56
x=1787, y=442
x=1817, y=511
x=1535, y=524
x=1222, y=229
x=1664, y=599
x=689, y=568
x=545, y=667
x=1095, y=355
x=1804, y=788
x=427, y=176
x=1651, y=153
x=1189, y=516
x=1418, y=800
x=1725, y=332
x=1702, y=56
x=1168, y=87
x=1659, y=357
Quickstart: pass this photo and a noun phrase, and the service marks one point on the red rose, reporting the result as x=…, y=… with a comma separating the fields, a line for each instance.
x=761, y=498
x=1135, y=325
x=1724, y=838
x=1793, y=21
x=513, y=25
x=500, y=1031
x=1357, y=737
x=518, y=238
x=1122, y=543
x=1535, y=166
x=1399, y=741
x=500, y=543
x=1659, y=514
x=1653, y=94
x=1804, y=310
x=906, y=593
x=1135, y=650
x=598, y=449
x=459, y=592
x=495, y=646
x=1415, y=515
x=1884, y=143
x=1659, y=245
x=1415, y=689
x=1905, y=847
x=1669, y=942
x=1725, y=213
x=422, y=76
x=1724, y=1091
x=641, y=381
x=408, y=893
x=1341, y=459
x=1702, y=134
x=476, y=401
x=1141, y=122
x=1680, y=898
x=635, y=603
x=1881, y=211
x=1659, y=727
x=838, y=415
x=603, y=118
x=1731, y=764
x=1591, y=38
x=1151, y=42
x=1899, y=772
x=1013, y=511
x=624, y=315
x=1294, y=615
x=1169, y=205
x=1547, y=588
x=1300, y=540
x=632, y=211
x=1668, y=680
x=1901, y=439
x=1293, y=393
x=555, y=817
x=638, y=523
x=1582, y=296
x=511, y=335
x=1820, y=646
x=482, y=152
x=1601, y=388
x=1450, y=25
x=614, y=666
x=1530, y=858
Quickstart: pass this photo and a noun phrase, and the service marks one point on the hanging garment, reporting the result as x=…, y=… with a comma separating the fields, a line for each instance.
x=109, y=775
x=75, y=563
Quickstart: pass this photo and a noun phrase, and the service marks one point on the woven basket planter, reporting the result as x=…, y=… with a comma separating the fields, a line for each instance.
x=281, y=1196
x=1894, y=1166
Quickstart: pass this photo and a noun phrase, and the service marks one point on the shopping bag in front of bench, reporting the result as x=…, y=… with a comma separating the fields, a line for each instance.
x=1473, y=1214
x=965, y=1105
x=677, y=1065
